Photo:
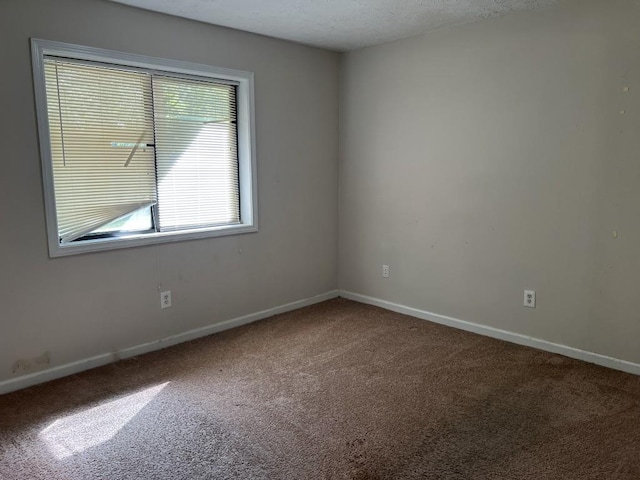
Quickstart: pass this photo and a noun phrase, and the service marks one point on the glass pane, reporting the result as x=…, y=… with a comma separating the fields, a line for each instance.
x=102, y=139
x=196, y=154
x=134, y=222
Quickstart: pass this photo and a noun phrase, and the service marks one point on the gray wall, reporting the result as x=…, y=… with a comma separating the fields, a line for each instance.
x=485, y=159
x=90, y=304
x=476, y=161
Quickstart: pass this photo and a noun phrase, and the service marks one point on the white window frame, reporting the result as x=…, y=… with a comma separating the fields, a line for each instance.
x=246, y=144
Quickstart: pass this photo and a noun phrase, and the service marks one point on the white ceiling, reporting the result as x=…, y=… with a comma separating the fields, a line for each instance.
x=337, y=24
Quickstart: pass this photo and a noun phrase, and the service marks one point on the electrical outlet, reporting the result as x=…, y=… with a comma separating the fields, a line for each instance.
x=530, y=298
x=165, y=299
x=385, y=271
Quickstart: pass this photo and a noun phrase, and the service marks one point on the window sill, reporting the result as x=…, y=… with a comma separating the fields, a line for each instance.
x=139, y=240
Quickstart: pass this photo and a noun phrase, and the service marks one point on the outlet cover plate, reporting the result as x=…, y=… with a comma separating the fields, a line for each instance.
x=530, y=298
x=165, y=299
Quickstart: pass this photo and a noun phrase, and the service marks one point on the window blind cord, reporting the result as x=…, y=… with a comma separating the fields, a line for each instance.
x=64, y=156
x=157, y=248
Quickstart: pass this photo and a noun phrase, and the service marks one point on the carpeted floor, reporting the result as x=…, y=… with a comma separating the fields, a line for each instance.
x=338, y=390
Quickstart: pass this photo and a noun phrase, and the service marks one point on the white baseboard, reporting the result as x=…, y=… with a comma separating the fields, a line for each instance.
x=36, y=378
x=517, y=338
x=43, y=376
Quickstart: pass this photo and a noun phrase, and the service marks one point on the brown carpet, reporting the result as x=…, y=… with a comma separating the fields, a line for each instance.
x=338, y=390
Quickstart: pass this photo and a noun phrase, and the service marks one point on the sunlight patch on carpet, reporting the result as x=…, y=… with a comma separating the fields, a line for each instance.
x=76, y=433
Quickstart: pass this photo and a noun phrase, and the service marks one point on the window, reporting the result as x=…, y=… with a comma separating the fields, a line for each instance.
x=138, y=150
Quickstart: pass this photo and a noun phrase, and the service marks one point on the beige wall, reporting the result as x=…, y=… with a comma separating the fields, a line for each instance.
x=476, y=161
x=485, y=159
x=91, y=304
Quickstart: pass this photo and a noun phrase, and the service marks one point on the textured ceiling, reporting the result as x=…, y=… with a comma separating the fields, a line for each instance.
x=337, y=24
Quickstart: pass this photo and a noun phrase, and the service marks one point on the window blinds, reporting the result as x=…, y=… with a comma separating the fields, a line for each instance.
x=123, y=140
x=101, y=130
x=196, y=154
